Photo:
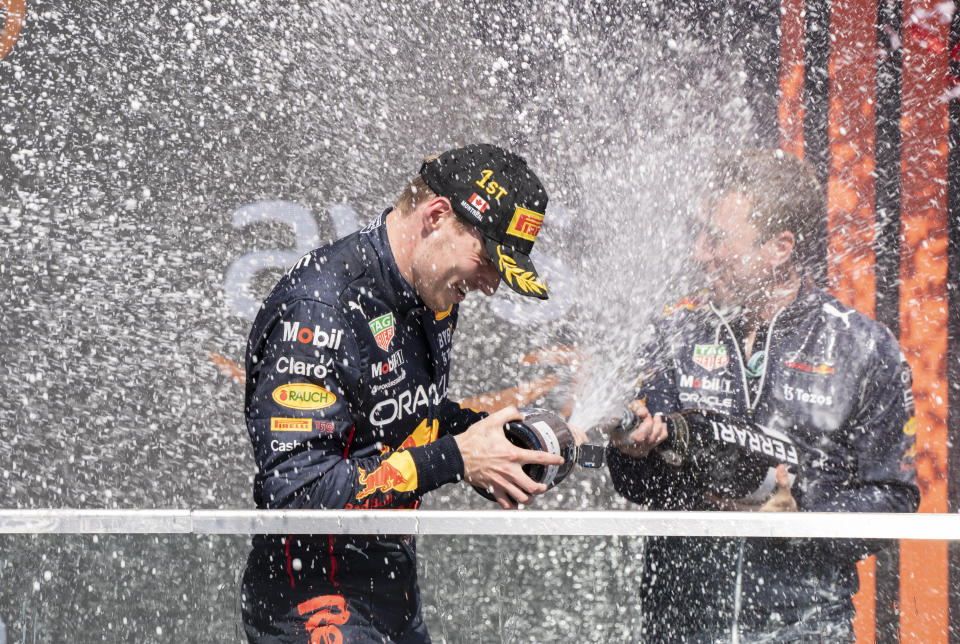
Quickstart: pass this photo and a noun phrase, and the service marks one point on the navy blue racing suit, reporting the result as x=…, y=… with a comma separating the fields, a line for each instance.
x=837, y=383
x=346, y=408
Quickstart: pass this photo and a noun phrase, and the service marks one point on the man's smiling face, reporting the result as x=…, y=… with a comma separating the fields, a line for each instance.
x=451, y=263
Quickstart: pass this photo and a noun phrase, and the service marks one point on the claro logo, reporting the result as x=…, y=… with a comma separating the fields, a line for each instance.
x=302, y=395
x=11, y=13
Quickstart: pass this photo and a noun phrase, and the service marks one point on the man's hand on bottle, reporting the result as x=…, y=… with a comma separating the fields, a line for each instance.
x=780, y=501
x=782, y=498
x=493, y=463
x=649, y=432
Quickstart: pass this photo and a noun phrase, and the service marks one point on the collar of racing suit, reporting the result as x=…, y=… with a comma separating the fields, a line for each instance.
x=805, y=301
x=400, y=295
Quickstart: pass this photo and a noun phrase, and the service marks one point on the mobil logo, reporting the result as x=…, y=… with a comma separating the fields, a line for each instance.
x=388, y=365
x=317, y=337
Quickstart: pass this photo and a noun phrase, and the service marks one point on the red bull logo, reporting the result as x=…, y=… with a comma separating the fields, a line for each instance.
x=396, y=473
x=384, y=478
x=819, y=369
x=688, y=303
x=422, y=435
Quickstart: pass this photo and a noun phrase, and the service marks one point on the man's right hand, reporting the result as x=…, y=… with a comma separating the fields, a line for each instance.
x=493, y=463
x=650, y=432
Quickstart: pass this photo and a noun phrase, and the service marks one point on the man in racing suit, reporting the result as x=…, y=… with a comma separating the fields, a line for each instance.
x=346, y=403
x=764, y=345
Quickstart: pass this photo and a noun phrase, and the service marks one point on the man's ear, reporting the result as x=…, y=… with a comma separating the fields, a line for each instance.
x=433, y=212
x=781, y=247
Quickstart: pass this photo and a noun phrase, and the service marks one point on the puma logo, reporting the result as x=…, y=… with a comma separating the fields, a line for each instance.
x=834, y=311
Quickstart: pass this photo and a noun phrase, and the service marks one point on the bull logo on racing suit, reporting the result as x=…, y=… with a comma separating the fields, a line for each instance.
x=398, y=472
x=331, y=612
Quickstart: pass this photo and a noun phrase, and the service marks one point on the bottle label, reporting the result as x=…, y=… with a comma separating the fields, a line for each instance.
x=551, y=445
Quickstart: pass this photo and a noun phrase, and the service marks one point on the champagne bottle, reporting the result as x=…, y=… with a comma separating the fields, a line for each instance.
x=546, y=431
x=730, y=456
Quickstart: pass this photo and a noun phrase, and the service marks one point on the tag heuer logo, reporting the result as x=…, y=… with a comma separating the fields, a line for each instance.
x=382, y=330
x=711, y=356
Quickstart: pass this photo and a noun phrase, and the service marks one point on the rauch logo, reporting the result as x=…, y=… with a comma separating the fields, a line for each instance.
x=303, y=396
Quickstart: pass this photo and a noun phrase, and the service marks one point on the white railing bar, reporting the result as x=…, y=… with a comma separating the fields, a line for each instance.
x=486, y=522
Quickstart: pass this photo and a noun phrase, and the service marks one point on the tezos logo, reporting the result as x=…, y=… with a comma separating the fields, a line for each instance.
x=801, y=395
x=303, y=395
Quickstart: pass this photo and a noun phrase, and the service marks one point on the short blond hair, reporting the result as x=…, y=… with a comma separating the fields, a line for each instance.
x=415, y=192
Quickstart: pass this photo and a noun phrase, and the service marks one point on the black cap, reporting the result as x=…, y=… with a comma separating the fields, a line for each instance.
x=497, y=193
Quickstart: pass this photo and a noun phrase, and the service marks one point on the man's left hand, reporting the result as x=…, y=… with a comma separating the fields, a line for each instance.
x=782, y=499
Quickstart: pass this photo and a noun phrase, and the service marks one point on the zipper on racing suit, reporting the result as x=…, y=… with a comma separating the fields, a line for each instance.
x=751, y=406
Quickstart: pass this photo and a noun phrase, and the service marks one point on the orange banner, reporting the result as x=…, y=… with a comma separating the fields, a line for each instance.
x=791, y=76
x=851, y=191
x=923, y=301
x=15, y=11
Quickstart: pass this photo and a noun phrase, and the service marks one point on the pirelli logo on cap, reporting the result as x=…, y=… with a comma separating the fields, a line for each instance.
x=291, y=425
x=525, y=224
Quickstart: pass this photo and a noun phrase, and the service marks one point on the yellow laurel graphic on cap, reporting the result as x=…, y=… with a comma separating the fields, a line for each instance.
x=526, y=280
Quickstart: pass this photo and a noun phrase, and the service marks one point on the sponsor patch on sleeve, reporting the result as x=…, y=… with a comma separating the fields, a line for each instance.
x=303, y=395
x=382, y=329
x=398, y=472
x=291, y=425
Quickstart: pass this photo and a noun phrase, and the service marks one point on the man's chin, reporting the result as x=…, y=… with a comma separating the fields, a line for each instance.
x=441, y=304
x=724, y=297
